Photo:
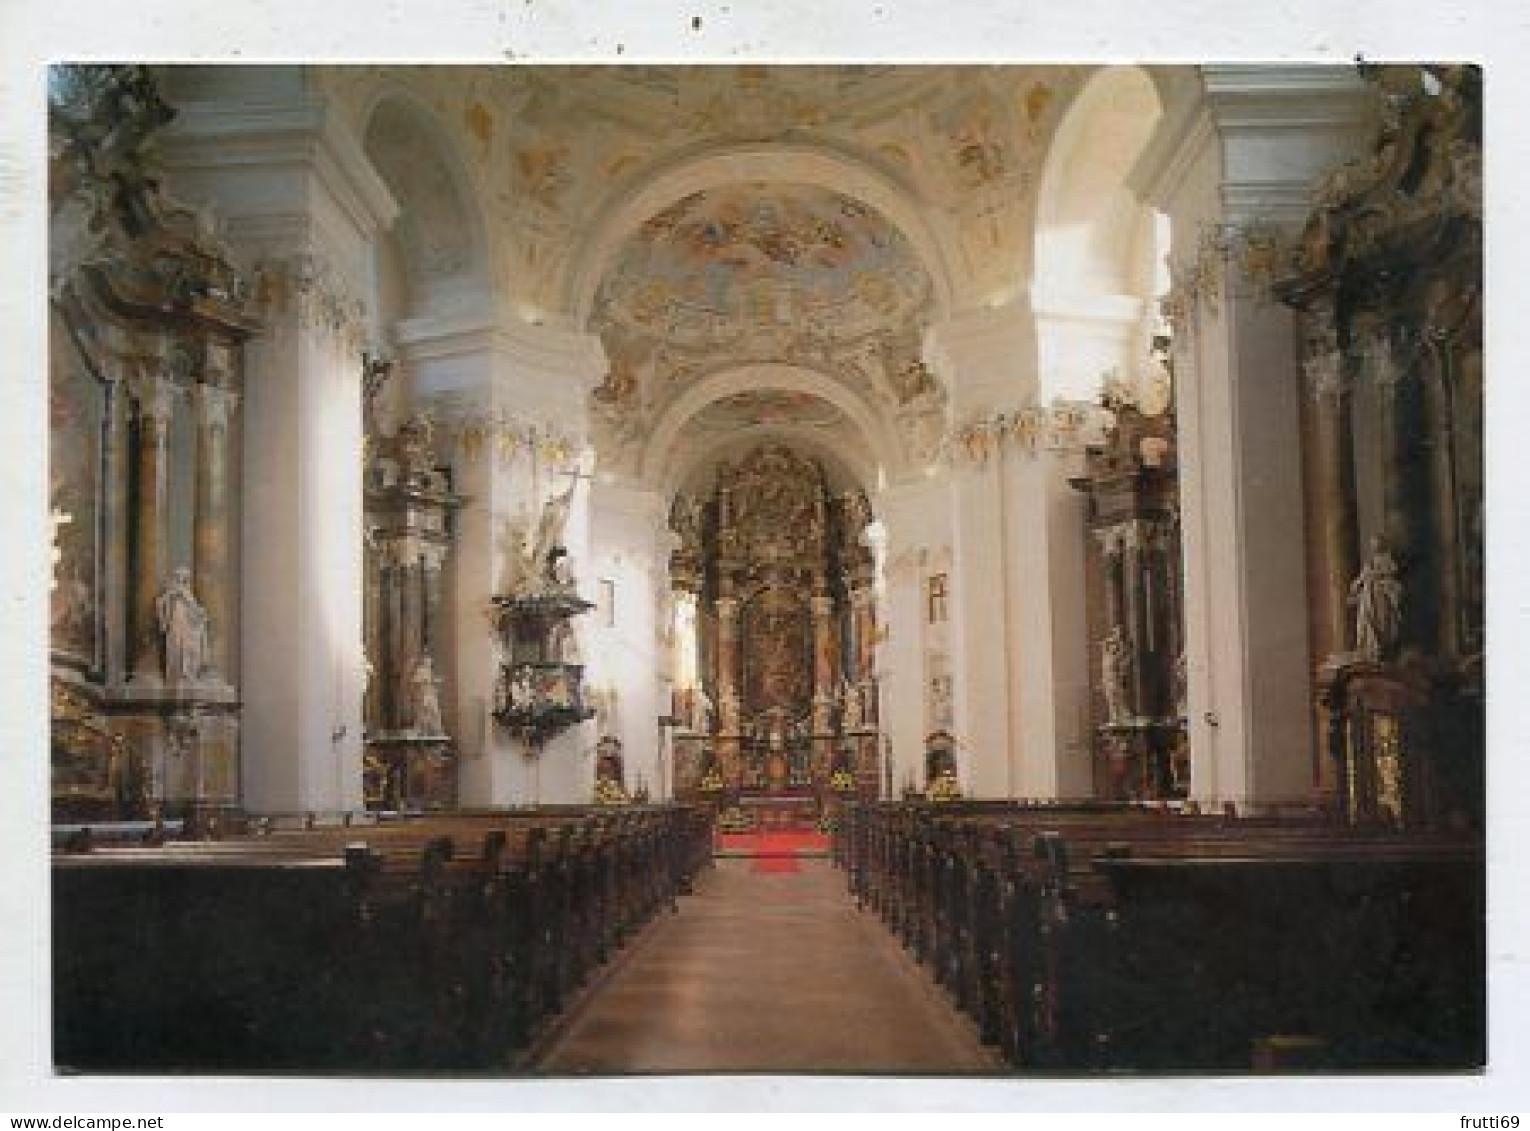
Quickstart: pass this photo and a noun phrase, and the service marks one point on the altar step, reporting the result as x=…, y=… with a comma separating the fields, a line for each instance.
x=773, y=844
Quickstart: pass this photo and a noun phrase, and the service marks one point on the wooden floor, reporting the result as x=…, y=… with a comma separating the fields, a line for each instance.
x=765, y=972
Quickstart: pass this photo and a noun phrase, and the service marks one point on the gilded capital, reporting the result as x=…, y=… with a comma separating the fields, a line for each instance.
x=214, y=406
x=153, y=392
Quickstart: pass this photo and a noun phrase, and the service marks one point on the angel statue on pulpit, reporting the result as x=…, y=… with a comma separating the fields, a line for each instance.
x=551, y=525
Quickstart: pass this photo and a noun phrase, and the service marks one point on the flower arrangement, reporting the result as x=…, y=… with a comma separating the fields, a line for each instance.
x=842, y=781
x=944, y=787
x=610, y=792
x=735, y=820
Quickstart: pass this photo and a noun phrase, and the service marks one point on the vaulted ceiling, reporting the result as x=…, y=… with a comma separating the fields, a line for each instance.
x=797, y=227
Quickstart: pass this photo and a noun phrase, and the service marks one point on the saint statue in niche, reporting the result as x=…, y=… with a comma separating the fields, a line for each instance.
x=1116, y=676
x=701, y=711
x=852, y=712
x=425, y=698
x=1181, y=686
x=183, y=626
x=1377, y=595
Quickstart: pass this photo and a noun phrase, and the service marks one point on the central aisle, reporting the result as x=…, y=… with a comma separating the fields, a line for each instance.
x=766, y=972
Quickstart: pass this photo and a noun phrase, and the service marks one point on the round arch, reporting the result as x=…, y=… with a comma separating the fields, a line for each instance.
x=453, y=206
x=1098, y=248
x=848, y=465
x=1083, y=202
x=761, y=376
x=816, y=165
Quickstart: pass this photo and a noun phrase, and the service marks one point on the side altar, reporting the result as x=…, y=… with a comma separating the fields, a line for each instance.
x=409, y=760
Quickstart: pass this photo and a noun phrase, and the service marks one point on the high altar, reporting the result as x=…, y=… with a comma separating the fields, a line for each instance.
x=781, y=713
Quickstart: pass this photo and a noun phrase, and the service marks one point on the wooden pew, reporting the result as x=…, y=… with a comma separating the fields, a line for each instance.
x=436, y=943
x=1034, y=918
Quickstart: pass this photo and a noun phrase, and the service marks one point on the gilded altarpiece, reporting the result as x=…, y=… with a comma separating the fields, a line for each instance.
x=785, y=704
x=1387, y=282
x=147, y=323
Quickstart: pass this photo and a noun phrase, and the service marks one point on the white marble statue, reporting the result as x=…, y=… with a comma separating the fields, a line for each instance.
x=551, y=524
x=563, y=643
x=425, y=698
x=518, y=574
x=1116, y=676
x=1181, y=686
x=852, y=712
x=701, y=711
x=1377, y=595
x=183, y=627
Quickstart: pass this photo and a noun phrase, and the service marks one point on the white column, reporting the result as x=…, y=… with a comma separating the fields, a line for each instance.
x=1237, y=162
x=1018, y=626
x=1044, y=533
x=915, y=518
x=302, y=209
x=511, y=381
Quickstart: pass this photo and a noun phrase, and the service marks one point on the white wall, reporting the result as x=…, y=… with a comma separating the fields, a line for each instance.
x=916, y=518
x=629, y=548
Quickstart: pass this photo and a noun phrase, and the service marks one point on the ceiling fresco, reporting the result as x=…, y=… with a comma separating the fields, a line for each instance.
x=757, y=273
x=714, y=265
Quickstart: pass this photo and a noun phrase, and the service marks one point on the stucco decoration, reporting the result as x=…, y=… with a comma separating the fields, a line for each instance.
x=768, y=407
x=548, y=148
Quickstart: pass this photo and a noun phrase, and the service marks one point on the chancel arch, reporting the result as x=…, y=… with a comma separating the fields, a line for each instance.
x=763, y=396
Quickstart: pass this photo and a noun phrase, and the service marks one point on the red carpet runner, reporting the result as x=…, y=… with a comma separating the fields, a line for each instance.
x=776, y=850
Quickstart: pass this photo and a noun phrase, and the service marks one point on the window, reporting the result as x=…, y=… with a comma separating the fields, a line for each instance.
x=935, y=598
x=608, y=602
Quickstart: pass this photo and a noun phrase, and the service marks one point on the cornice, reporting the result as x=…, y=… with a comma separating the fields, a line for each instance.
x=1242, y=102
x=305, y=135
x=545, y=349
